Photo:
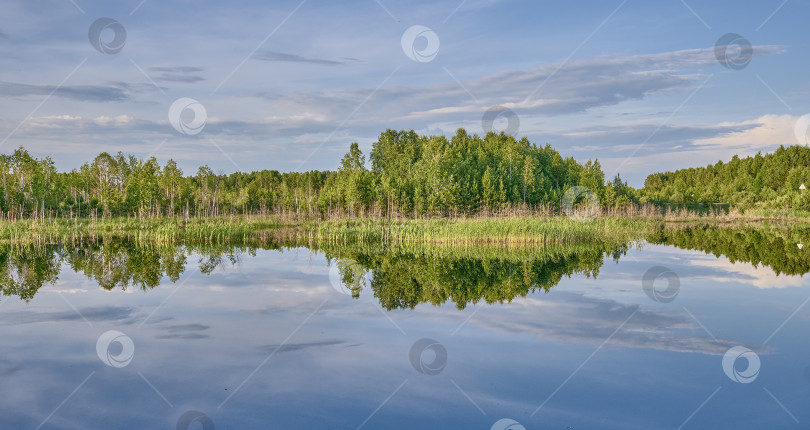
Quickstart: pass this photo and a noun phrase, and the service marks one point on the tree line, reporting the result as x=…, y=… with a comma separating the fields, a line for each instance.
x=768, y=181
x=406, y=174
x=409, y=175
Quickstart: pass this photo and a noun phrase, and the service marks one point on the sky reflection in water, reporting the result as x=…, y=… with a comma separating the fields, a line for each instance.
x=265, y=341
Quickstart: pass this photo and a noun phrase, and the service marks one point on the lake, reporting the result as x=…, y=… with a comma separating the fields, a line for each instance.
x=703, y=328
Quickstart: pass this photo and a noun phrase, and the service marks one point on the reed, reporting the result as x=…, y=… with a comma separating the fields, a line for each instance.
x=512, y=230
x=212, y=229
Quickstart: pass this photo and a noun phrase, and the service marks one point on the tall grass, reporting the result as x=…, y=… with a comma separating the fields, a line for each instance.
x=513, y=230
x=213, y=229
x=625, y=225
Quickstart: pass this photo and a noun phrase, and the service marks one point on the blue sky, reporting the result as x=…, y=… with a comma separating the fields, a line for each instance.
x=288, y=85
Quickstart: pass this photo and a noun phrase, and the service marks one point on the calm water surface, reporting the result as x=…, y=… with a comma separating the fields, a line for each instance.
x=272, y=338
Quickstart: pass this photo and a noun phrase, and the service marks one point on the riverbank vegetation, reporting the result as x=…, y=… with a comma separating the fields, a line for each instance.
x=514, y=229
x=467, y=188
x=173, y=230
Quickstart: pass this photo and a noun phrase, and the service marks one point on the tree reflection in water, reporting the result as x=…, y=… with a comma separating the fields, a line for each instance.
x=400, y=275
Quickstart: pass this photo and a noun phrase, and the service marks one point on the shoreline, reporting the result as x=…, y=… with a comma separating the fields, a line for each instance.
x=491, y=229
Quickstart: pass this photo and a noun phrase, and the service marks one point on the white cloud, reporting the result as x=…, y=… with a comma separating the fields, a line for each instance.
x=114, y=121
x=763, y=133
x=681, y=145
x=758, y=275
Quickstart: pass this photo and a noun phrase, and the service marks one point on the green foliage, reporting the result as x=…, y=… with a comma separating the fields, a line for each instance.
x=429, y=175
x=763, y=181
x=410, y=175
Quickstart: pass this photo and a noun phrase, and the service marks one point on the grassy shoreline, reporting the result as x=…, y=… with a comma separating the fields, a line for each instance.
x=138, y=229
x=514, y=229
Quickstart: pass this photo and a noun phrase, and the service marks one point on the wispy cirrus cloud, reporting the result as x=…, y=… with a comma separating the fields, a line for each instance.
x=579, y=86
x=93, y=93
x=294, y=58
x=289, y=347
x=187, y=74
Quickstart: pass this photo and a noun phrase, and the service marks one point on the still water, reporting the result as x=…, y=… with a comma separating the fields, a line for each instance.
x=128, y=336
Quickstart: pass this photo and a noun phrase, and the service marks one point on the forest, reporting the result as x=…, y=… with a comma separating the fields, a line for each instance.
x=405, y=175
x=769, y=181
